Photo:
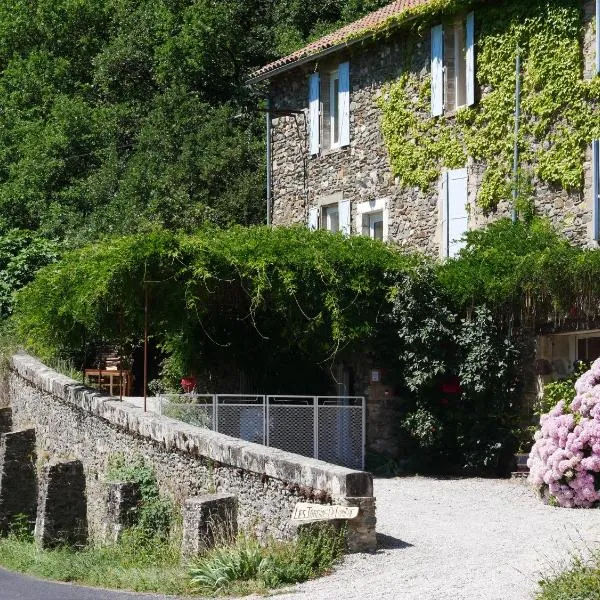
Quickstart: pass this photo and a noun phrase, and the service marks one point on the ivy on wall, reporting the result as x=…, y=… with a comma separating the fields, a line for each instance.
x=559, y=114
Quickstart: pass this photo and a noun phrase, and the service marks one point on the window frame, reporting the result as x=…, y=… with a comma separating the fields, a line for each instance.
x=365, y=211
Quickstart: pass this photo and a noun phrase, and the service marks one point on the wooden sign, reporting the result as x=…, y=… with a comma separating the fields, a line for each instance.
x=304, y=511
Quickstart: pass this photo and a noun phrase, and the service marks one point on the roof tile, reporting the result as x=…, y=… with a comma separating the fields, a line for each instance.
x=335, y=38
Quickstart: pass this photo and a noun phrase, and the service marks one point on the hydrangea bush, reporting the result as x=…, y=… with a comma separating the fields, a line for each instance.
x=564, y=462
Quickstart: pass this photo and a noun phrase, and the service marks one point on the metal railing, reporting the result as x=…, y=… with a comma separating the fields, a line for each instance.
x=329, y=428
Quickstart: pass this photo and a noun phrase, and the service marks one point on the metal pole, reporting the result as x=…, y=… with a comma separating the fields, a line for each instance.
x=316, y=427
x=145, y=346
x=517, y=126
x=269, y=159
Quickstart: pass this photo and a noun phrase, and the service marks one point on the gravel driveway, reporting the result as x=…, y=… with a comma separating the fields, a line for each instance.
x=464, y=539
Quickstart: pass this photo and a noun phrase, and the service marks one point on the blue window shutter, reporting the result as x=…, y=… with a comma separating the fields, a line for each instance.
x=314, y=113
x=458, y=217
x=596, y=188
x=437, y=71
x=344, y=103
x=470, y=42
x=313, y=218
x=344, y=216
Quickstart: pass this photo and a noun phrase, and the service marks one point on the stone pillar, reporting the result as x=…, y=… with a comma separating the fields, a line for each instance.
x=62, y=508
x=361, y=535
x=5, y=420
x=207, y=520
x=123, y=500
x=18, y=488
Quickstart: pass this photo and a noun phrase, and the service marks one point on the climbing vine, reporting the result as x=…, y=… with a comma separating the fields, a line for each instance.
x=558, y=121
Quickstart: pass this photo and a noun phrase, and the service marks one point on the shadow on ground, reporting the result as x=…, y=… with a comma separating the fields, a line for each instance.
x=387, y=542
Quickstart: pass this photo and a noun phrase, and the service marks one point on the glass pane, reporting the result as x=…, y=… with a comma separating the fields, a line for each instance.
x=331, y=218
x=378, y=230
x=335, y=105
x=449, y=68
x=460, y=41
x=325, y=112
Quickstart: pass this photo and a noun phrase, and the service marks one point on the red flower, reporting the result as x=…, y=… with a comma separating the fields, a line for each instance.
x=188, y=384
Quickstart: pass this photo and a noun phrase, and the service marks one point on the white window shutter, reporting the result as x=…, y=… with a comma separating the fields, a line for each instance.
x=314, y=112
x=344, y=103
x=470, y=59
x=313, y=218
x=445, y=200
x=458, y=216
x=437, y=71
x=344, y=215
x=596, y=188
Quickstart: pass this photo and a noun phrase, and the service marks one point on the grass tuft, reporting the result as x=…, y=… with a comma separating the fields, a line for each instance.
x=134, y=563
x=581, y=581
x=247, y=566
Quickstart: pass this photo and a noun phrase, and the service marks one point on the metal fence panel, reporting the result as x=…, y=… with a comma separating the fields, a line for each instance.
x=329, y=428
x=340, y=435
x=292, y=428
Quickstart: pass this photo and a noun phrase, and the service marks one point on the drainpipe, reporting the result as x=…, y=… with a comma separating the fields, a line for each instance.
x=269, y=159
x=517, y=126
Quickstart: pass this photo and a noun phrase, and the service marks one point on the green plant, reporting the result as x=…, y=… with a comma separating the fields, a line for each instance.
x=580, y=581
x=154, y=516
x=558, y=119
x=133, y=563
x=560, y=390
x=249, y=565
x=21, y=528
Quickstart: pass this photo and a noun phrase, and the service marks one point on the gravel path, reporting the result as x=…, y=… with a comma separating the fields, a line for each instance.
x=463, y=539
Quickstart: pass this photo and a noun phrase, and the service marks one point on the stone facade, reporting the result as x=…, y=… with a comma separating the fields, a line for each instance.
x=361, y=171
x=74, y=422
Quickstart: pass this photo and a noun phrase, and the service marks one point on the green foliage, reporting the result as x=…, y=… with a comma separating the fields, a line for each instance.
x=464, y=379
x=248, y=565
x=154, y=515
x=21, y=528
x=255, y=297
x=21, y=255
x=526, y=272
x=580, y=581
x=560, y=390
x=558, y=117
x=133, y=563
x=118, y=115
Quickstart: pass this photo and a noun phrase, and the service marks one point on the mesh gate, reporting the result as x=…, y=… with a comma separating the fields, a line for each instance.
x=330, y=428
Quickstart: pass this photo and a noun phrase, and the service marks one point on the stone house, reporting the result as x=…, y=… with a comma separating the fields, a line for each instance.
x=339, y=161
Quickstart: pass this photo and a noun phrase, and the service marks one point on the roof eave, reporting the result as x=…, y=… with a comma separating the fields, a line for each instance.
x=310, y=57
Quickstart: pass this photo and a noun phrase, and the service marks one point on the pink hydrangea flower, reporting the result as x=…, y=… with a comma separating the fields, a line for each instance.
x=565, y=459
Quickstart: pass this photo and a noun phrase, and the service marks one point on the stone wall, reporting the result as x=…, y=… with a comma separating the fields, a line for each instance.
x=74, y=422
x=361, y=171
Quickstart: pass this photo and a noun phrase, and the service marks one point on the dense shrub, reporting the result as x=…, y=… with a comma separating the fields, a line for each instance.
x=565, y=459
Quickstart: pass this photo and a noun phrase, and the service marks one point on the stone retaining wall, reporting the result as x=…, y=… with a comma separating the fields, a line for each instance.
x=75, y=422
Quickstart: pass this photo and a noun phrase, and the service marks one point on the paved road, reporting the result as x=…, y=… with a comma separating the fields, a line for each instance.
x=19, y=587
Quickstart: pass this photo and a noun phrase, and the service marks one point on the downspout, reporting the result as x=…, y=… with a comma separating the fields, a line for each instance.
x=515, y=192
x=269, y=175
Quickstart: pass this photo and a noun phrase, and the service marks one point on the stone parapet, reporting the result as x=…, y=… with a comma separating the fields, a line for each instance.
x=76, y=422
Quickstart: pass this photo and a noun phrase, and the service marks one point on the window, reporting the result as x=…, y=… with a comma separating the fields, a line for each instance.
x=329, y=109
x=330, y=218
x=372, y=219
x=453, y=65
x=455, y=218
x=333, y=216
